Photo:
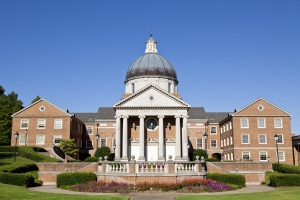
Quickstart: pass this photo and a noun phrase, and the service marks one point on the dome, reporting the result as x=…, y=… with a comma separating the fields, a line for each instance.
x=151, y=64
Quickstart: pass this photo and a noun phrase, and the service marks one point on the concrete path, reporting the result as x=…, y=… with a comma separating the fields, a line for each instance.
x=154, y=195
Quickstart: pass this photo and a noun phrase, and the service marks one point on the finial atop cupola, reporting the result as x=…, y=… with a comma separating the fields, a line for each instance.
x=151, y=45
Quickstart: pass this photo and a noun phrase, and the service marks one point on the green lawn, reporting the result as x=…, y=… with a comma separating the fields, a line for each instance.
x=12, y=192
x=282, y=193
x=9, y=158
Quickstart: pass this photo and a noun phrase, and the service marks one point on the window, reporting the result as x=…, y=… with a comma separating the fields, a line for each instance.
x=263, y=156
x=41, y=123
x=231, y=156
x=40, y=139
x=213, y=130
x=281, y=156
x=221, y=143
x=227, y=141
x=199, y=143
x=24, y=123
x=244, y=123
x=231, y=141
x=213, y=143
x=245, y=139
x=226, y=127
x=169, y=87
x=278, y=123
x=89, y=144
x=132, y=87
x=103, y=142
x=22, y=139
x=230, y=125
x=58, y=124
x=246, y=155
x=225, y=144
x=280, y=139
x=57, y=139
x=261, y=123
x=89, y=130
x=221, y=130
x=262, y=139
x=225, y=156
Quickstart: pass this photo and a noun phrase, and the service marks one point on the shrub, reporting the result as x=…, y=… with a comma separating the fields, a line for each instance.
x=18, y=167
x=16, y=179
x=103, y=151
x=277, y=180
x=91, y=159
x=74, y=160
x=200, y=153
x=267, y=176
x=8, y=149
x=286, y=169
x=212, y=160
x=74, y=178
x=28, y=152
x=234, y=179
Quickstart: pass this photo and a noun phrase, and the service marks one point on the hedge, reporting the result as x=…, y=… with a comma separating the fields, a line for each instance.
x=234, y=179
x=277, y=180
x=30, y=153
x=17, y=167
x=8, y=149
x=74, y=178
x=286, y=169
x=16, y=179
x=91, y=159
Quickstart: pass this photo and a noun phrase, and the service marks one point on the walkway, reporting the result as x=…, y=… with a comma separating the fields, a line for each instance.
x=154, y=195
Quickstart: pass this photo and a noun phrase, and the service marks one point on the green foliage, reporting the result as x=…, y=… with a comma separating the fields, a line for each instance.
x=233, y=179
x=103, y=151
x=74, y=160
x=212, y=160
x=16, y=179
x=30, y=153
x=267, y=176
x=277, y=180
x=91, y=159
x=36, y=99
x=286, y=169
x=9, y=104
x=74, y=178
x=8, y=149
x=68, y=147
x=17, y=167
x=200, y=153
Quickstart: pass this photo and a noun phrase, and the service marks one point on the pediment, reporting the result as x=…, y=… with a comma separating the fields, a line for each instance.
x=151, y=96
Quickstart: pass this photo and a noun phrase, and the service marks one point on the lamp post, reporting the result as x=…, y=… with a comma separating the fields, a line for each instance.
x=97, y=136
x=276, y=140
x=205, y=138
x=114, y=147
x=16, y=137
x=26, y=130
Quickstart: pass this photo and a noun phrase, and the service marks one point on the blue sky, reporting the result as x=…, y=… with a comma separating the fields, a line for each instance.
x=227, y=54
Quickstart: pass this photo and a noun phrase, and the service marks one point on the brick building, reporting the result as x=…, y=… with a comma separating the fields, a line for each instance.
x=152, y=122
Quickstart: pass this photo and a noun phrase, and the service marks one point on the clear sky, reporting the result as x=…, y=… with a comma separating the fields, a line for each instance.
x=227, y=54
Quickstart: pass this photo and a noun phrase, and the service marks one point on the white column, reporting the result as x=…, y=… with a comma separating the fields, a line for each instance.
x=161, y=138
x=185, y=155
x=118, y=138
x=178, y=139
x=142, y=138
x=125, y=138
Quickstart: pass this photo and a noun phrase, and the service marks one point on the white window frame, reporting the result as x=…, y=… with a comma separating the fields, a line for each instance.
x=101, y=140
x=86, y=144
x=40, y=139
x=261, y=154
x=58, y=125
x=230, y=125
x=221, y=130
x=211, y=146
x=231, y=141
x=281, y=137
x=231, y=155
x=259, y=121
x=227, y=127
x=248, y=138
x=275, y=126
x=22, y=140
x=221, y=143
x=244, y=153
x=57, y=136
x=91, y=130
x=281, y=155
x=213, y=133
x=264, y=138
x=225, y=143
x=199, y=143
x=243, y=121
x=39, y=124
x=21, y=124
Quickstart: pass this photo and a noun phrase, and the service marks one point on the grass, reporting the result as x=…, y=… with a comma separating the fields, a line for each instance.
x=282, y=193
x=9, y=158
x=12, y=192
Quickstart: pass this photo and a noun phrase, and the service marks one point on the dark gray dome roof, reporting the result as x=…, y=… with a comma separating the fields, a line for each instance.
x=151, y=65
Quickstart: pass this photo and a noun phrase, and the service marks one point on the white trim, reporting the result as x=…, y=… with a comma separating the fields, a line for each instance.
x=86, y=146
x=22, y=123
x=242, y=139
x=283, y=155
x=264, y=121
x=56, y=136
x=241, y=123
x=281, y=138
x=216, y=143
x=215, y=130
x=246, y=152
x=55, y=120
x=89, y=128
x=101, y=142
x=38, y=123
x=259, y=139
x=37, y=139
x=266, y=156
x=280, y=123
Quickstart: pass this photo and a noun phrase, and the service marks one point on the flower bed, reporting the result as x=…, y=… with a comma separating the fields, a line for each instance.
x=193, y=185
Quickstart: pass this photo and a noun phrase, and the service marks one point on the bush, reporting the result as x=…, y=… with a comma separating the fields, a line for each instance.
x=103, y=151
x=30, y=153
x=212, y=160
x=74, y=178
x=234, y=179
x=267, y=176
x=286, y=169
x=74, y=160
x=91, y=159
x=18, y=167
x=16, y=179
x=277, y=180
x=200, y=153
x=8, y=149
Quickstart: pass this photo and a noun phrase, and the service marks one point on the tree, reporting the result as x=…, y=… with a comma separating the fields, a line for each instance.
x=200, y=153
x=103, y=151
x=36, y=99
x=68, y=147
x=9, y=104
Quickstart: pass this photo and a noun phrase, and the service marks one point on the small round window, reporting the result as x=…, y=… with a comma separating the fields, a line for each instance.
x=151, y=98
x=260, y=107
x=42, y=108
